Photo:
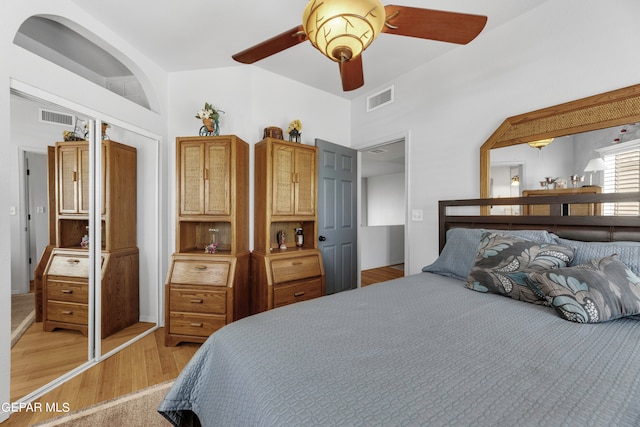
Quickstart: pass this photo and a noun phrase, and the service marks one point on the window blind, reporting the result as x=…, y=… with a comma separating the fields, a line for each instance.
x=621, y=175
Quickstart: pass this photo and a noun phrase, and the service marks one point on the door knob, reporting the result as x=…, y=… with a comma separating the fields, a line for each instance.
x=322, y=238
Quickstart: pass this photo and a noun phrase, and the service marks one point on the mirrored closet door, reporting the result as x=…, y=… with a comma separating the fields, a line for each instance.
x=93, y=276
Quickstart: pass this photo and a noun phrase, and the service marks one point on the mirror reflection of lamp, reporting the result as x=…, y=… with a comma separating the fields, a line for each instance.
x=540, y=144
x=594, y=165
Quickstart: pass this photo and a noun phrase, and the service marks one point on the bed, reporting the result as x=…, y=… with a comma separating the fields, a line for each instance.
x=430, y=349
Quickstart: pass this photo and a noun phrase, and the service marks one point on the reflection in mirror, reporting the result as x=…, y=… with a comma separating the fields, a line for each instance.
x=54, y=337
x=134, y=229
x=39, y=357
x=594, y=148
x=566, y=163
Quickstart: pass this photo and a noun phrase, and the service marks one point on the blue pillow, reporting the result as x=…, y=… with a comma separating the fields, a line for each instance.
x=459, y=254
x=584, y=252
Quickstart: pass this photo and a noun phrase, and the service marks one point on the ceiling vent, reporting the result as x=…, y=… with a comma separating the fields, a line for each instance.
x=56, y=118
x=380, y=99
x=377, y=151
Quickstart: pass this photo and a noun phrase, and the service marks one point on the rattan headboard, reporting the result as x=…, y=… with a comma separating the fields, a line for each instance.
x=585, y=228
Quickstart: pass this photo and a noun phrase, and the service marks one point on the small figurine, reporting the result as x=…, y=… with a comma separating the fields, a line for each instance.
x=282, y=240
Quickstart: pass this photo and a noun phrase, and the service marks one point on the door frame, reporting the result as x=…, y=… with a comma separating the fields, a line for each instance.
x=379, y=142
x=24, y=208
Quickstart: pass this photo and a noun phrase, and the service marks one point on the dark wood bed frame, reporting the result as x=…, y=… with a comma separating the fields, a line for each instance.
x=585, y=228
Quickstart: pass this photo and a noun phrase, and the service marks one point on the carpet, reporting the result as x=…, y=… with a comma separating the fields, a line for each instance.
x=23, y=315
x=137, y=409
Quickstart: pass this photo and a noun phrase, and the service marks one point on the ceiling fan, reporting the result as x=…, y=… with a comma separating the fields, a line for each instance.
x=342, y=29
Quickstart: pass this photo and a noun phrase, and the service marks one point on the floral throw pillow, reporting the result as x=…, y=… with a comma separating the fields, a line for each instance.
x=503, y=264
x=601, y=290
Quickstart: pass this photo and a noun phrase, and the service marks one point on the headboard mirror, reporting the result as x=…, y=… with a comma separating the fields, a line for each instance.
x=619, y=110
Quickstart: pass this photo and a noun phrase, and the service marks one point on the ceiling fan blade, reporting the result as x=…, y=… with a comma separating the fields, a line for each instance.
x=431, y=24
x=273, y=45
x=351, y=73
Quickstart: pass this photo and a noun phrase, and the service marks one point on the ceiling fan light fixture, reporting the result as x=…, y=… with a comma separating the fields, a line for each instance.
x=340, y=29
x=541, y=143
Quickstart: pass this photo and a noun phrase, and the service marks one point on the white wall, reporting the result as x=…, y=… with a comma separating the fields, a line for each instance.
x=385, y=199
x=381, y=246
x=555, y=53
x=382, y=240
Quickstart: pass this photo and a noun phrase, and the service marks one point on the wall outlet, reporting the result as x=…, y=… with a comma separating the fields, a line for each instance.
x=416, y=215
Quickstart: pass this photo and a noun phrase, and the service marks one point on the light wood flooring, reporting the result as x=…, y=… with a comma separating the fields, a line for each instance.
x=381, y=274
x=144, y=363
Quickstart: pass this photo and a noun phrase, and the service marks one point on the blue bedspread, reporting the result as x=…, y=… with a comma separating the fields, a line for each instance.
x=421, y=350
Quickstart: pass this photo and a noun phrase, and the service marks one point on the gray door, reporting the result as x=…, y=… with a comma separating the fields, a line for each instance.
x=337, y=215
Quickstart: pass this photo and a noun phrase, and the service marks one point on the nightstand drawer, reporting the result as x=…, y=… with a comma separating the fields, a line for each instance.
x=295, y=268
x=296, y=292
x=201, y=325
x=67, y=312
x=210, y=273
x=198, y=300
x=69, y=265
x=67, y=291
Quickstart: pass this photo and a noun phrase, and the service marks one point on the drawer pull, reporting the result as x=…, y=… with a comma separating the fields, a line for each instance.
x=200, y=267
x=67, y=312
x=196, y=301
x=196, y=324
x=73, y=261
x=296, y=263
x=67, y=291
x=298, y=294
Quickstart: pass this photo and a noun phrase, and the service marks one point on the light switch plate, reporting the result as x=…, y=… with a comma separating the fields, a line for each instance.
x=416, y=215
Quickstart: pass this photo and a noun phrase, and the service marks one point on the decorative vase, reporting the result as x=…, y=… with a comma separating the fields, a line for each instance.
x=208, y=123
x=294, y=136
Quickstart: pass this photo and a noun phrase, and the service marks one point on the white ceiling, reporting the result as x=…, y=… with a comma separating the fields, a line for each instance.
x=202, y=34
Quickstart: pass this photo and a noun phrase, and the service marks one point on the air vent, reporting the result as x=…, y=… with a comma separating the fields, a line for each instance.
x=56, y=118
x=380, y=99
x=378, y=151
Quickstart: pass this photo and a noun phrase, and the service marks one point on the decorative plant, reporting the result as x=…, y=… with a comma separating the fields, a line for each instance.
x=294, y=127
x=211, y=248
x=208, y=112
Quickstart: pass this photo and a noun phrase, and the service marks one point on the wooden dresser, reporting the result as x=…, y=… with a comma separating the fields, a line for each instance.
x=580, y=209
x=285, y=199
x=205, y=291
x=65, y=277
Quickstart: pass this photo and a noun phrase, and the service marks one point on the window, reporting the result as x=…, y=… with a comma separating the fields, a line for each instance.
x=622, y=175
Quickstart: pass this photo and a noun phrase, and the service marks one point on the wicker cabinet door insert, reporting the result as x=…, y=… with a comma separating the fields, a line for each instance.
x=192, y=179
x=305, y=182
x=73, y=180
x=205, y=178
x=217, y=178
x=283, y=180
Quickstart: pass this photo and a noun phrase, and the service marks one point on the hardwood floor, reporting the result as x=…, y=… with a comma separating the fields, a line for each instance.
x=382, y=274
x=142, y=364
